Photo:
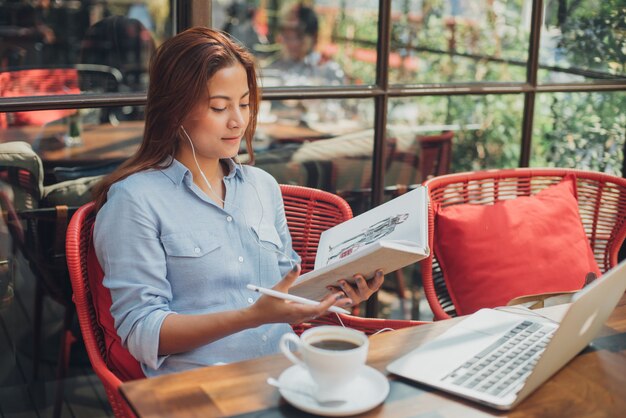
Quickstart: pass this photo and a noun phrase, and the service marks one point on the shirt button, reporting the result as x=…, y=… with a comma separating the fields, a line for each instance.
x=196, y=250
x=250, y=300
x=240, y=258
x=229, y=218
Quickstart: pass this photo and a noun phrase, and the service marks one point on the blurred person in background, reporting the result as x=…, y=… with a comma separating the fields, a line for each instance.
x=299, y=63
x=120, y=43
x=139, y=10
x=240, y=25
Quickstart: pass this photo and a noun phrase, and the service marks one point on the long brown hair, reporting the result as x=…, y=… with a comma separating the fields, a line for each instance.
x=180, y=70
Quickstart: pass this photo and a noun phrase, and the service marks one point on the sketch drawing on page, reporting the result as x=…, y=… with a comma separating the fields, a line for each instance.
x=367, y=236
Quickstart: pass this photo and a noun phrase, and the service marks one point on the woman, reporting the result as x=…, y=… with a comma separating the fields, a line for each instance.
x=182, y=227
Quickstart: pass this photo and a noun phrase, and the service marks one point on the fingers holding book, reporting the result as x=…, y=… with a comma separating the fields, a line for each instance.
x=362, y=289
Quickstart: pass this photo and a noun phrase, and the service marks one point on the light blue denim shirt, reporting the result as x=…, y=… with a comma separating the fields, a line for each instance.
x=165, y=248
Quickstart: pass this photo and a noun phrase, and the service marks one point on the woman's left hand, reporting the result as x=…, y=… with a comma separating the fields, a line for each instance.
x=362, y=289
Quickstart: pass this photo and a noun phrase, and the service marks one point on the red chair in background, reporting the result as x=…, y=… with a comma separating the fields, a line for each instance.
x=309, y=212
x=38, y=82
x=435, y=154
x=431, y=159
x=601, y=202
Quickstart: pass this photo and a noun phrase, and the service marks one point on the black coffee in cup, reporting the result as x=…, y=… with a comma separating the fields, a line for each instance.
x=335, y=344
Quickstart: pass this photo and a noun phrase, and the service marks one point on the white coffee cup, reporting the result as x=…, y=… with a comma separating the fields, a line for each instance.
x=332, y=355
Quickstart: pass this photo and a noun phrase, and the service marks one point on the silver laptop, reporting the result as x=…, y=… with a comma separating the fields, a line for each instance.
x=498, y=357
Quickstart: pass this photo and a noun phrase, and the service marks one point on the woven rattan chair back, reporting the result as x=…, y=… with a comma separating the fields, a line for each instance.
x=601, y=203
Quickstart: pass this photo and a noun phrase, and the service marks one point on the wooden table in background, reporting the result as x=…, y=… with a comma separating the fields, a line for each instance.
x=592, y=384
x=289, y=132
x=100, y=143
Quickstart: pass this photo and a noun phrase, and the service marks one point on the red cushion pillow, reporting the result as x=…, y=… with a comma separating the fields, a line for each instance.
x=490, y=254
x=118, y=359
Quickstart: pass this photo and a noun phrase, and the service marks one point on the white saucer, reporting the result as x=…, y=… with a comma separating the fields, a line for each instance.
x=368, y=390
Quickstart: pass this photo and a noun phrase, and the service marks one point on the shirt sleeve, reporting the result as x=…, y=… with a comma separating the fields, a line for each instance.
x=127, y=244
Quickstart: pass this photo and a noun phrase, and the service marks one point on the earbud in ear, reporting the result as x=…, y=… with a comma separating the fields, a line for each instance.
x=188, y=139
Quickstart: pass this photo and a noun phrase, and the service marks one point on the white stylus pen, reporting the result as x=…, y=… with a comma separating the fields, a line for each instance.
x=293, y=298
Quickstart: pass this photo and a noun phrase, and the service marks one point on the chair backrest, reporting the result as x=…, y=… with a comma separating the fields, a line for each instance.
x=309, y=213
x=601, y=205
x=78, y=242
x=430, y=157
x=435, y=154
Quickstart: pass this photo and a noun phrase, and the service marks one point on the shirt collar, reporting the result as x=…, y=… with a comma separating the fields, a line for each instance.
x=176, y=171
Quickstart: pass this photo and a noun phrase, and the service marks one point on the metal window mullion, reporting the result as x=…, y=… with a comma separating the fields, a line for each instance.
x=380, y=120
x=192, y=13
x=380, y=102
x=531, y=77
x=26, y=103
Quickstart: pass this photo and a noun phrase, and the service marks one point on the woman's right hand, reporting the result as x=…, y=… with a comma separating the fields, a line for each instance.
x=269, y=309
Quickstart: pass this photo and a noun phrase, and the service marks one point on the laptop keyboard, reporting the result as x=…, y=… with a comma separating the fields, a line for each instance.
x=506, y=363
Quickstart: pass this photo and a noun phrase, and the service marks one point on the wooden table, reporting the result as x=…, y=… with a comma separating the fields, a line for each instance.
x=290, y=132
x=593, y=384
x=100, y=143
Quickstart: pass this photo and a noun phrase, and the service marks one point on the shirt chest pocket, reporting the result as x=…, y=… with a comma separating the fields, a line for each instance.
x=194, y=261
x=190, y=245
x=266, y=235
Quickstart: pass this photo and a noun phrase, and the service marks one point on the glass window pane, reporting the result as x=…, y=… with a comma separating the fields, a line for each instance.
x=580, y=130
x=583, y=41
x=94, y=47
x=459, y=41
x=483, y=132
x=333, y=155
x=323, y=42
x=7, y=267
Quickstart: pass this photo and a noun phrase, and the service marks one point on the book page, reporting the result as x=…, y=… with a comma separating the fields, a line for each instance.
x=402, y=219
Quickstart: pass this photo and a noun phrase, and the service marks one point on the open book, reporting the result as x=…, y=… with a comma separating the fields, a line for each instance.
x=388, y=237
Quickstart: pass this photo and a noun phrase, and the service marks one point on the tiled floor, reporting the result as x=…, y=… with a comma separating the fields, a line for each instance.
x=22, y=395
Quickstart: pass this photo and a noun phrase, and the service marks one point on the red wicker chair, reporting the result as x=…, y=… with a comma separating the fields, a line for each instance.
x=78, y=240
x=601, y=201
x=309, y=213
